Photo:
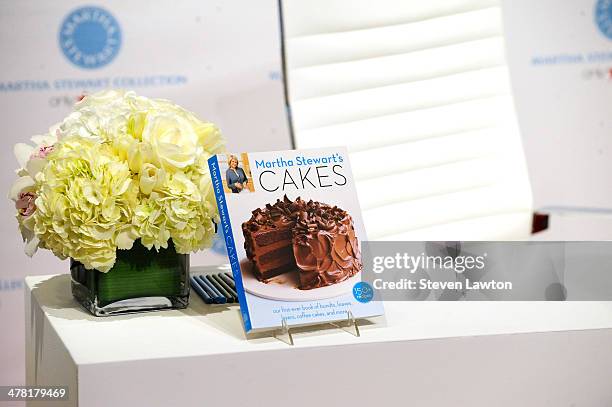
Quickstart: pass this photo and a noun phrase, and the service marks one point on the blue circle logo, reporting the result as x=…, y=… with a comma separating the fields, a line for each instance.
x=603, y=17
x=90, y=37
x=363, y=292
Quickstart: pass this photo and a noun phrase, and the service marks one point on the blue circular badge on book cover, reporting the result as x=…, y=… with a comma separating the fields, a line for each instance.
x=603, y=17
x=90, y=37
x=363, y=292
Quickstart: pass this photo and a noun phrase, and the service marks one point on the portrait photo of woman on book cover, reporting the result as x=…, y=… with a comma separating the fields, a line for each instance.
x=235, y=176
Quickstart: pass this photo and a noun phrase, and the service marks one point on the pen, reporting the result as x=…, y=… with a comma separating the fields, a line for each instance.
x=220, y=283
x=215, y=294
x=196, y=286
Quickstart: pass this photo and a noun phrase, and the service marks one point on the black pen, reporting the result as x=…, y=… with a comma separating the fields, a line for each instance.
x=217, y=296
x=231, y=294
x=196, y=286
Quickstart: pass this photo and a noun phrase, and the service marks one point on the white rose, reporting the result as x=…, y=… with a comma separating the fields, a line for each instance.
x=150, y=178
x=209, y=135
x=173, y=140
x=140, y=154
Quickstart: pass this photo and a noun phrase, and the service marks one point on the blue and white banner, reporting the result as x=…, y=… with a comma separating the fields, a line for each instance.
x=560, y=60
x=219, y=59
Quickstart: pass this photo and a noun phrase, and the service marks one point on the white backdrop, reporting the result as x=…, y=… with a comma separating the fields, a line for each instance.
x=220, y=59
x=560, y=59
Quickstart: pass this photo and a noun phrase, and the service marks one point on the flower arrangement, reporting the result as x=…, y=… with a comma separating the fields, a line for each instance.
x=120, y=167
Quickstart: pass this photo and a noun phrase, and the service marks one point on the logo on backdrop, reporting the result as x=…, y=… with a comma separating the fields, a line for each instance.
x=90, y=37
x=603, y=17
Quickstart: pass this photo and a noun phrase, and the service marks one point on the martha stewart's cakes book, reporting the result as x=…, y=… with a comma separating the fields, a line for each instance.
x=293, y=230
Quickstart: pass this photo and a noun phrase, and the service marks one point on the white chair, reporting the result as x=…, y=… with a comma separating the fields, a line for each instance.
x=419, y=92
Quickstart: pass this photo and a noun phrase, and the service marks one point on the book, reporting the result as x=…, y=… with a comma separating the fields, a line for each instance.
x=293, y=228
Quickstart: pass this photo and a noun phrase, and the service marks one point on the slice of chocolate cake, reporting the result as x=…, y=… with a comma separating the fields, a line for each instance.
x=268, y=241
x=316, y=240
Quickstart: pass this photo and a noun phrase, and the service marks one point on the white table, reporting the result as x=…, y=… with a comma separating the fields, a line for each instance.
x=427, y=354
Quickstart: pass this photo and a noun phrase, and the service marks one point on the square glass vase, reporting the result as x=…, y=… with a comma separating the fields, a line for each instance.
x=141, y=280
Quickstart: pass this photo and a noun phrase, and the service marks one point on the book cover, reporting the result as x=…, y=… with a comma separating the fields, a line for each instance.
x=293, y=229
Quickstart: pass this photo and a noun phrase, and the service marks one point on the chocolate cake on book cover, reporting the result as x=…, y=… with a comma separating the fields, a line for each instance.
x=311, y=238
